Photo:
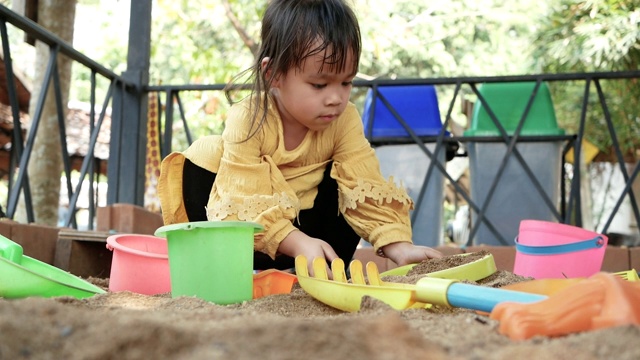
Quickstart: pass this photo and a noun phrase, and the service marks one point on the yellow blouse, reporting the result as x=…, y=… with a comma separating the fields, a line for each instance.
x=259, y=180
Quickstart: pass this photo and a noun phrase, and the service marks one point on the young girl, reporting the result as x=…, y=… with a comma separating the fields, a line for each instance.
x=293, y=156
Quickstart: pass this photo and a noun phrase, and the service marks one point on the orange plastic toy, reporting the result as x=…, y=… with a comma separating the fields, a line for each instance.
x=600, y=301
x=271, y=282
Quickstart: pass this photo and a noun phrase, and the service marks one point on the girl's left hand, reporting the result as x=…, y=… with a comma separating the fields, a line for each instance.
x=404, y=253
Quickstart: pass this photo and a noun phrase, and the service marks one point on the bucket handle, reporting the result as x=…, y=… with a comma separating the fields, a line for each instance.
x=594, y=243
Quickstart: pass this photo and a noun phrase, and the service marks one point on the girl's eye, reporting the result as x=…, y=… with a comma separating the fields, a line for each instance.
x=319, y=86
x=347, y=83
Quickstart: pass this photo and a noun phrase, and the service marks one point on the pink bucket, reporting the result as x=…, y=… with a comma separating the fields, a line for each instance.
x=551, y=250
x=139, y=264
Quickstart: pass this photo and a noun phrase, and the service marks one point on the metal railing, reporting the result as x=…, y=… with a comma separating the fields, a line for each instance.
x=21, y=149
x=569, y=210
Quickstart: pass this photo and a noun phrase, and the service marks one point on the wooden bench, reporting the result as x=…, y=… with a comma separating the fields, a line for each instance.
x=83, y=253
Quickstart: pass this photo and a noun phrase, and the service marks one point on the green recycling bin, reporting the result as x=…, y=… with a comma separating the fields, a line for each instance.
x=515, y=197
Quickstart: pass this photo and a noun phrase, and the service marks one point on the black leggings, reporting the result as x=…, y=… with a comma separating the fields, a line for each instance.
x=322, y=221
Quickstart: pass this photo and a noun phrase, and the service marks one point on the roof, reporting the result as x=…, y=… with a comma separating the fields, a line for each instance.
x=22, y=86
x=78, y=123
x=78, y=132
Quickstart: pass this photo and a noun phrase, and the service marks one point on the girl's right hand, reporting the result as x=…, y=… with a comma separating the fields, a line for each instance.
x=299, y=243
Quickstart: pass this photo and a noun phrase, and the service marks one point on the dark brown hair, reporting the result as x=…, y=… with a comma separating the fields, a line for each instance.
x=290, y=29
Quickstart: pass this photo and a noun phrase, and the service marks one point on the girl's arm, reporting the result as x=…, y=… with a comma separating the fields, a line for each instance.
x=249, y=186
x=377, y=208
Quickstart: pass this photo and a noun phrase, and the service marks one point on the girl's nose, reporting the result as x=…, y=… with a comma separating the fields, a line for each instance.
x=335, y=98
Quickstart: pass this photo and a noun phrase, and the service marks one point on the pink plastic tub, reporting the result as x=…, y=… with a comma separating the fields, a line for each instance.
x=551, y=250
x=140, y=264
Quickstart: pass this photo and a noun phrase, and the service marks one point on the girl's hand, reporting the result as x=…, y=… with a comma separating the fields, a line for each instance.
x=404, y=253
x=299, y=243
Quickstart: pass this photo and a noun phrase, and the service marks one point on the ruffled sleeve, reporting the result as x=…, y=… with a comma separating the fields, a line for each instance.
x=376, y=208
x=170, y=189
x=204, y=152
x=249, y=186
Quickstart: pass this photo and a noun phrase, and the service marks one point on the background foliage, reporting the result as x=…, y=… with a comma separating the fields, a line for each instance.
x=198, y=42
x=587, y=36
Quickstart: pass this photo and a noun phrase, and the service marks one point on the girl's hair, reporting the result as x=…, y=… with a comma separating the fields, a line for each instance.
x=292, y=31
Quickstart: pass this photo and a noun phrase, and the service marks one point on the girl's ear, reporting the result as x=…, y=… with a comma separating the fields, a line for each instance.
x=265, y=64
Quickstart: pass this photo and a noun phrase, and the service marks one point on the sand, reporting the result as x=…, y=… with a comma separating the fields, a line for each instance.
x=126, y=325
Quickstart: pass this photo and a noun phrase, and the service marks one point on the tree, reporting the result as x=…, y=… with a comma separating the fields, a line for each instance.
x=401, y=39
x=595, y=35
x=45, y=166
x=412, y=39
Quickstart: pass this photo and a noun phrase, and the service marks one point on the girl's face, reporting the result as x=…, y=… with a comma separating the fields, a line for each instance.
x=314, y=96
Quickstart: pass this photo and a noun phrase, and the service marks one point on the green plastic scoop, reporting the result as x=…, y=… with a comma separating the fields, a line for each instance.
x=22, y=276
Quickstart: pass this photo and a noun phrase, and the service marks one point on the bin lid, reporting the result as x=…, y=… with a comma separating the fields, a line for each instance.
x=417, y=105
x=508, y=102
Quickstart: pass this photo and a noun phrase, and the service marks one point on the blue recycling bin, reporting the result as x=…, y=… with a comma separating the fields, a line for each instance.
x=417, y=105
x=402, y=158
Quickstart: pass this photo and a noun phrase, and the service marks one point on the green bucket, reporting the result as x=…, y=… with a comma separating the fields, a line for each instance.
x=211, y=260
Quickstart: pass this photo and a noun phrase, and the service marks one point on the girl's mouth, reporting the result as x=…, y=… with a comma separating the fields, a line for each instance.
x=328, y=117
